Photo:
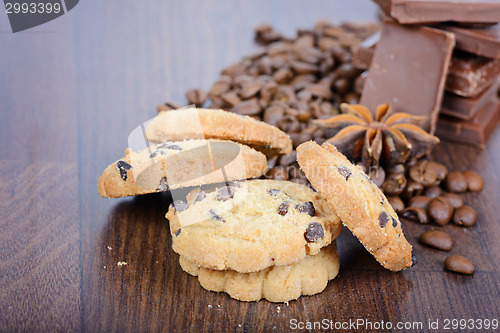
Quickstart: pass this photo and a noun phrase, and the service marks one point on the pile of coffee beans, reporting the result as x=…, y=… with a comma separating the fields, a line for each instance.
x=291, y=81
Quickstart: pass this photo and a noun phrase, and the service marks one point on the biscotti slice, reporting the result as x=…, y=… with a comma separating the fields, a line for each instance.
x=359, y=203
x=276, y=284
x=172, y=165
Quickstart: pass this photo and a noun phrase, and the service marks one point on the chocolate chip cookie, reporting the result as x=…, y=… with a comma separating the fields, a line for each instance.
x=251, y=225
x=360, y=204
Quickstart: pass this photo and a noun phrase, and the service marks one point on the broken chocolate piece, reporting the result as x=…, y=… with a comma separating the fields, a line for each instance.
x=123, y=167
x=169, y=145
x=283, y=208
x=306, y=207
x=314, y=232
x=163, y=185
x=274, y=191
x=178, y=232
x=180, y=205
x=225, y=193
x=345, y=172
x=214, y=216
x=383, y=219
x=483, y=41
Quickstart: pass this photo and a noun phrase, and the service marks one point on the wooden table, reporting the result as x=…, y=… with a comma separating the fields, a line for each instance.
x=72, y=90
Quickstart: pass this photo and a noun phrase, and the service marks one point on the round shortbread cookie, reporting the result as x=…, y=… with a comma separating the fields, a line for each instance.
x=218, y=124
x=251, y=225
x=173, y=165
x=360, y=204
x=276, y=284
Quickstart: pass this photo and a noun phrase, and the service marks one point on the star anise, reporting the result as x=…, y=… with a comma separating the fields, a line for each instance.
x=390, y=138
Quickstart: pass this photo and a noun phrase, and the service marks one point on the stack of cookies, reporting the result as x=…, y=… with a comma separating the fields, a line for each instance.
x=255, y=238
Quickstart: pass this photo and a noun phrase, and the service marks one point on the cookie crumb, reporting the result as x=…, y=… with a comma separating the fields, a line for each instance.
x=109, y=247
x=121, y=263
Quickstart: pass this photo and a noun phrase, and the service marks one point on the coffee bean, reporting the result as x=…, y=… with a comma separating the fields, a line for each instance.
x=225, y=193
x=383, y=219
x=465, y=216
x=413, y=258
x=221, y=86
x=420, y=201
x=459, y=264
x=278, y=173
x=168, y=106
x=314, y=232
x=344, y=171
x=180, y=205
x=304, y=68
x=455, y=182
x=440, y=210
x=396, y=203
x=437, y=239
x=415, y=214
x=394, y=184
x=214, y=216
x=283, y=208
x=250, y=89
x=425, y=173
x=360, y=82
x=306, y=207
x=413, y=189
x=319, y=90
x=274, y=191
x=397, y=168
x=341, y=85
x=273, y=114
x=295, y=172
x=163, y=185
x=442, y=171
x=454, y=199
x=231, y=98
x=123, y=168
x=289, y=159
x=198, y=97
x=248, y=107
x=475, y=182
x=433, y=191
x=289, y=124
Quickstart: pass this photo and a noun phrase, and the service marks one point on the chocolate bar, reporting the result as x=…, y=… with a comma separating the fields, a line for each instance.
x=475, y=131
x=468, y=74
x=432, y=11
x=466, y=108
x=481, y=41
x=409, y=70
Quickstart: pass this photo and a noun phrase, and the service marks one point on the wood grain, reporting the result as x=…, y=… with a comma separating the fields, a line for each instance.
x=74, y=88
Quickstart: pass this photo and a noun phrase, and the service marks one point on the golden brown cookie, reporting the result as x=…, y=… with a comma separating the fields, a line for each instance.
x=251, y=225
x=172, y=165
x=276, y=284
x=218, y=124
x=359, y=203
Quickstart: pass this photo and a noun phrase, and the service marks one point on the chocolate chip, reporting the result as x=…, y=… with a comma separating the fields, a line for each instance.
x=274, y=191
x=396, y=203
x=314, y=232
x=201, y=195
x=306, y=207
x=123, y=167
x=214, y=216
x=440, y=210
x=180, y=205
x=459, y=264
x=465, y=216
x=394, y=222
x=278, y=173
x=415, y=214
x=169, y=145
x=225, y=193
x=413, y=258
x=163, y=185
x=283, y=208
x=383, y=219
x=436, y=239
x=178, y=232
x=475, y=182
x=344, y=171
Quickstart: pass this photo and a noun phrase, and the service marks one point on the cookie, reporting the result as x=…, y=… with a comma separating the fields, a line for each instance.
x=359, y=203
x=172, y=165
x=276, y=284
x=251, y=225
x=218, y=124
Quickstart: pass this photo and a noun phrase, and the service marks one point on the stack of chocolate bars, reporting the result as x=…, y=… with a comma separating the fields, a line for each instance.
x=438, y=58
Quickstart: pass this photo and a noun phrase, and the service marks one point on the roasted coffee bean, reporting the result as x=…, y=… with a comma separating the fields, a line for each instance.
x=306, y=207
x=278, y=173
x=475, y=182
x=413, y=189
x=413, y=258
x=440, y=210
x=425, y=173
x=225, y=193
x=436, y=239
x=319, y=90
x=231, y=98
x=394, y=184
x=442, y=171
x=123, y=167
x=247, y=108
x=304, y=68
x=383, y=219
x=415, y=214
x=344, y=171
x=282, y=75
x=168, y=106
x=377, y=175
x=250, y=89
x=289, y=159
x=198, y=97
x=295, y=172
x=459, y=264
x=180, y=205
x=396, y=203
x=268, y=91
x=289, y=124
x=465, y=216
x=433, y=191
x=221, y=86
x=274, y=191
x=455, y=182
x=341, y=85
x=454, y=199
x=273, y=114
x=163, y=185
x=420, y=201
x=397, y=168
x=314, y=232
x=360, y=82
x=214, y=216
x=283, y=208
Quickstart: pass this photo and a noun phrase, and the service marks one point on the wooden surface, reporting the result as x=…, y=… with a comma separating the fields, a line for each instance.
x=72, y=90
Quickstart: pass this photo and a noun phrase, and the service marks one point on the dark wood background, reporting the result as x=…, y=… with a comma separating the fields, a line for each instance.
x=71, y=90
